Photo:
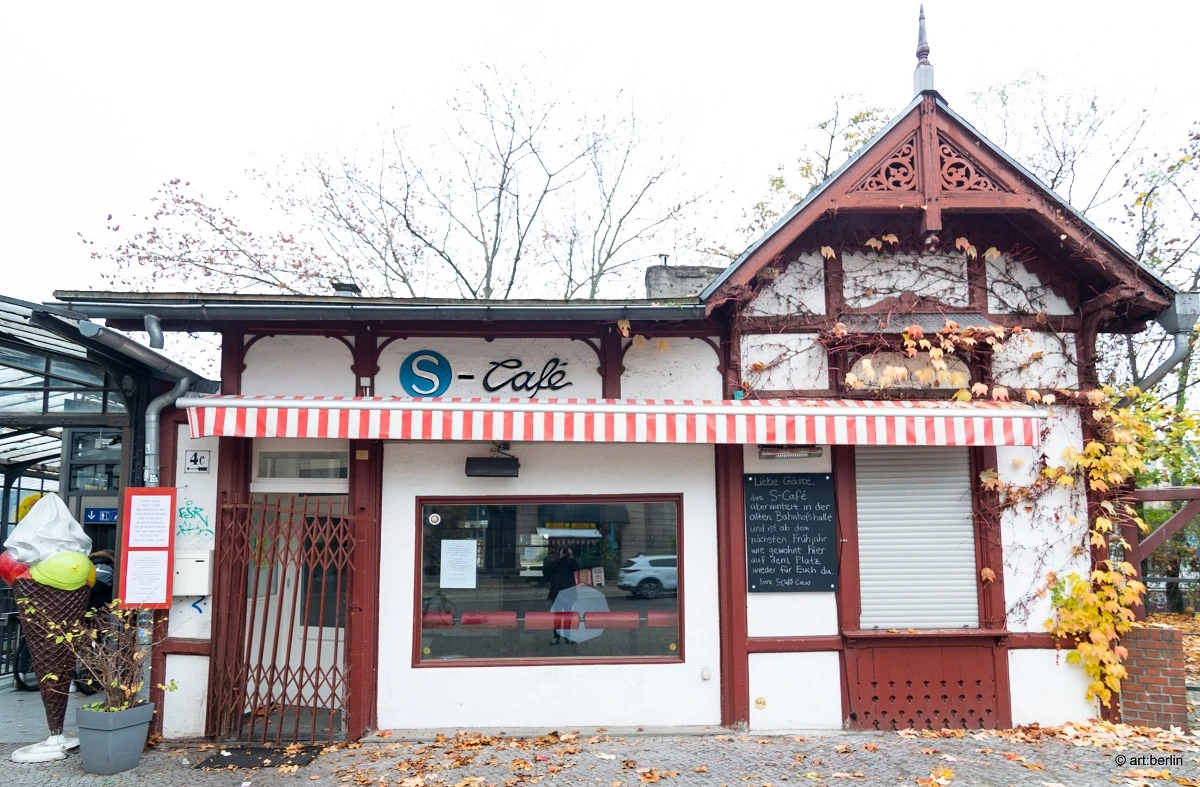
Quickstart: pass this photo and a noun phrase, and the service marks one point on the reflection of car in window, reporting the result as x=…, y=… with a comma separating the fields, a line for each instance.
x=649, y=576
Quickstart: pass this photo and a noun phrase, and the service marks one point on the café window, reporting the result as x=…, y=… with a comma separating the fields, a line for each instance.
x=301, y=465
x=549, y=580
x=916, y=538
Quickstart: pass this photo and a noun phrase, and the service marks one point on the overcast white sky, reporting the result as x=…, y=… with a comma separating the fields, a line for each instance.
x=101, y=103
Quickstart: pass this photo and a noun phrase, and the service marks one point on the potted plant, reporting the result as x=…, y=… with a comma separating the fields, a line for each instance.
x=113, y=728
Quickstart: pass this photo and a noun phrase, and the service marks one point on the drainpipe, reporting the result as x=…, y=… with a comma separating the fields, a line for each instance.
x=145, y=617
x=153, y=411
x=154, y=329
x=1179, y=320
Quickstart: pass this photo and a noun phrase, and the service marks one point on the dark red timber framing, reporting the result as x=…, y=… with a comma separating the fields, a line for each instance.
x=731, y=578
x=934, y=679
x=362, y=629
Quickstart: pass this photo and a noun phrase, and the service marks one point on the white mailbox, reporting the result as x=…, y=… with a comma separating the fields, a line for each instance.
x=193, y=573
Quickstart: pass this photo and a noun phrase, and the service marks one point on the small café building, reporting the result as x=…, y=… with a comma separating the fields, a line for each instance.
x=748, y=502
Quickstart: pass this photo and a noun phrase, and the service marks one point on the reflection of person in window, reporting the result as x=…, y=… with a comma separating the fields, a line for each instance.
x=561, y=572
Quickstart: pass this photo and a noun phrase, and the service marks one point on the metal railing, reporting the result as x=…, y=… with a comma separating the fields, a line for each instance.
x=10, y=632
x=1167, y=594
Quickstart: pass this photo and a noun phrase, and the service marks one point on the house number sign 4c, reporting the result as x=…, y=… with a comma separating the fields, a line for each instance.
x=429, y=373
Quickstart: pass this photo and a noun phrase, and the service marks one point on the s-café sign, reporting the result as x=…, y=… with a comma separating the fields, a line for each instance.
x=429, y=373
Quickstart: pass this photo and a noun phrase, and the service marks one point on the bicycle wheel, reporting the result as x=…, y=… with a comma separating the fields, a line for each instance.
x=24, y=678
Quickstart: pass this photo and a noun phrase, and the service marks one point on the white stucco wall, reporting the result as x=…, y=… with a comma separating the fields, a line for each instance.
x=1037, y=360
x=1013, y=288
x=184, y=709
x=468, y=356
x=798, y=290
x=298, y=366
x=195, y=530
x=801, y=691
x=1046, y=689
x=687, y=369
x=790, y=361
x=191, y=616
x=1039, y=536
x=789, y=614
x=620, y=694
x=872, y=277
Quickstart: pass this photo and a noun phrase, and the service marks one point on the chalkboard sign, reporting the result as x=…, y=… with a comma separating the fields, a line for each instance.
x=791, y=533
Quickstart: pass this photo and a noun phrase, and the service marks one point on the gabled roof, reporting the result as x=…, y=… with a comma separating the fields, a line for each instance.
x=915, y=137
x=812, y=197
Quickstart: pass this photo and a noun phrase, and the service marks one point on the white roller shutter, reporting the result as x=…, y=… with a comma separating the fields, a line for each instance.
x=916, y=538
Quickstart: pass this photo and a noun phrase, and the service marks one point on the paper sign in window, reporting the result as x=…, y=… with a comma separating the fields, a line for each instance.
x=458, y=563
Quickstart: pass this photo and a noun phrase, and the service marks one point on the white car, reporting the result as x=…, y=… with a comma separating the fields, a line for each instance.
x=649, y=576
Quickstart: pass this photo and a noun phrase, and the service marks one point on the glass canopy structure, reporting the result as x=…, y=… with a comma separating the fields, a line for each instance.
x=65, y=395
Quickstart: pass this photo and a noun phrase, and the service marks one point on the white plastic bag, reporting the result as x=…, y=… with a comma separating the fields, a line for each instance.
x=46, y=530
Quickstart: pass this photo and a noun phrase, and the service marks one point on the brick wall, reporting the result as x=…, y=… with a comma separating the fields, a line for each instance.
x=1155, y=693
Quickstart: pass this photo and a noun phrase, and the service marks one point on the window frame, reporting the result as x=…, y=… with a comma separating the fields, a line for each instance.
x=680, y=656
x=311, y=486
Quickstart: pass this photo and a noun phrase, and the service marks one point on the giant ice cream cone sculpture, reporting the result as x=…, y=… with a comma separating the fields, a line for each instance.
x=45, y=561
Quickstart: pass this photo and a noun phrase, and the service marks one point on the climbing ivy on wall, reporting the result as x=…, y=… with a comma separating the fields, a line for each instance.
x=1126, y=433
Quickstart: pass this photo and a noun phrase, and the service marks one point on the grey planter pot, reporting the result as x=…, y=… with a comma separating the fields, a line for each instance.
x=112, y=742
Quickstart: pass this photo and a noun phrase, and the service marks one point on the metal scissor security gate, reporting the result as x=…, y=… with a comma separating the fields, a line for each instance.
x=280, y=667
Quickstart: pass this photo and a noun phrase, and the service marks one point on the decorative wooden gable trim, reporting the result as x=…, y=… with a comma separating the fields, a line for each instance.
x=897, y=173
x=960, y=172
x=928, y=162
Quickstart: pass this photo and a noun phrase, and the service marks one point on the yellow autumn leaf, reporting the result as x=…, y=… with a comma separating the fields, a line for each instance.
x=623, y=327
x=991, y=253
x=999, y=393
x=962, y=395
x=874, y=243
x=1032, y=396
x=891, y=238
x=663, y=344
x=827, y=252
x=639, y=342
x=987, y=575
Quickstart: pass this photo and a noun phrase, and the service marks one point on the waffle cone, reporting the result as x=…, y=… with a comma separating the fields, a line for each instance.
x=64, y=607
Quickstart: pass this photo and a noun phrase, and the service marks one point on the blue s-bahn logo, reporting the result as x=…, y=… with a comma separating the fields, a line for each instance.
x=425, y=373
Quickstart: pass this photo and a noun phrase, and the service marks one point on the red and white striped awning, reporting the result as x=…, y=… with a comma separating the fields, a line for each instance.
x=754, y=421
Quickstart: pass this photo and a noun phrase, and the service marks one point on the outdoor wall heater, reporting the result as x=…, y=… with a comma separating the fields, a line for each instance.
x=790, y=451
x=493, y=466
x=500, y=464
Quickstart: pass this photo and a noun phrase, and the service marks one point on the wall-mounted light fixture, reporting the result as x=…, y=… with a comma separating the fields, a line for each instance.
x=498, y=465
x=790, y=451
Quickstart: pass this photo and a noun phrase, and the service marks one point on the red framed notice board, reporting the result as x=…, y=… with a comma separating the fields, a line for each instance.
x=147, y=547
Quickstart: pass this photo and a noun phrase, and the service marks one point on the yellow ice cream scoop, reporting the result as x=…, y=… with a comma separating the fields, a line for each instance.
x=64, y=570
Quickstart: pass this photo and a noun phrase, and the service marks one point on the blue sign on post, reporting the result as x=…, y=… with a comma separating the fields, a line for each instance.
x=104, y=516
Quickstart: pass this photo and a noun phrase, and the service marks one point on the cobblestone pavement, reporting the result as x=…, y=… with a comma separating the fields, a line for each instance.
x=602, y=759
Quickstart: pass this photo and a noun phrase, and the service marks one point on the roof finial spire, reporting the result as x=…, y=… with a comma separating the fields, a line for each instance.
x=923, y=76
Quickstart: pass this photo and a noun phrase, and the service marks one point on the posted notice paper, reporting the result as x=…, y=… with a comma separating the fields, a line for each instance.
x=458, y=563
x=150, y=521
x=145, y=577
